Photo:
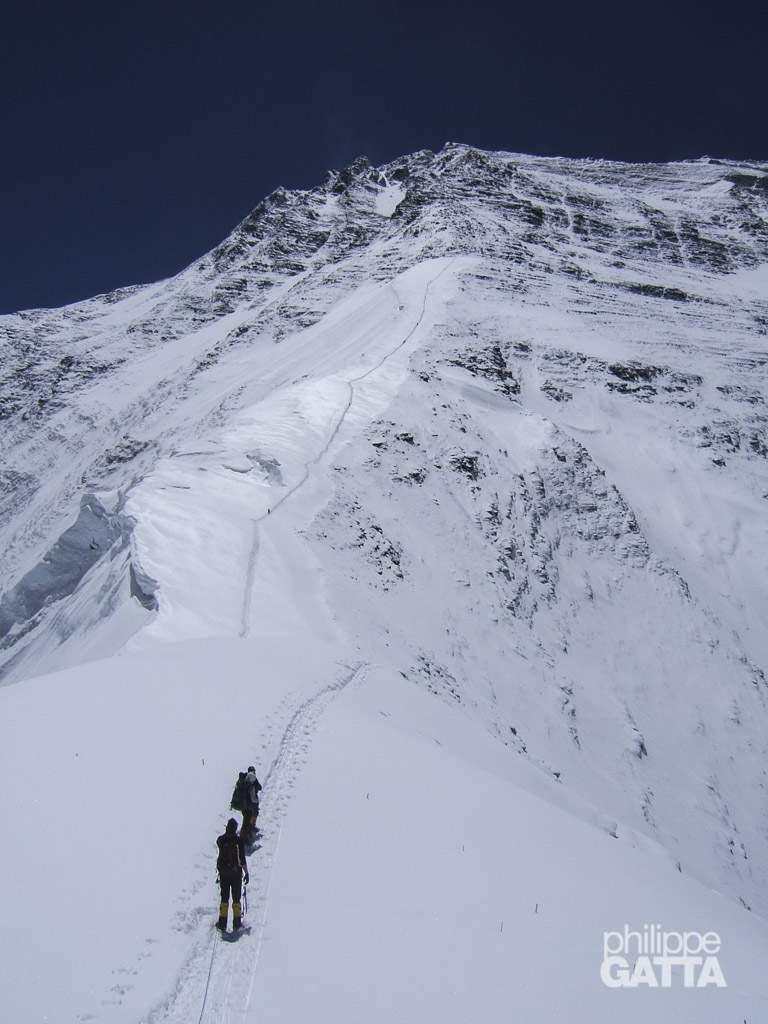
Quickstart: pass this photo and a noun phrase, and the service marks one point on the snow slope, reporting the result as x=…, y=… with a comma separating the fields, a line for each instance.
x=410, y=869
x=438, y=493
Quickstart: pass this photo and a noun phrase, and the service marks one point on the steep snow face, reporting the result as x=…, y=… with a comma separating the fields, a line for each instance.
x=545, y=605
x=498, y=421
x=409, y=868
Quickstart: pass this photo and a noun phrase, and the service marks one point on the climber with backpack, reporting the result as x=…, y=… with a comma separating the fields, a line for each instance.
x=250, y=803
x=233, y=872
x=239, y=796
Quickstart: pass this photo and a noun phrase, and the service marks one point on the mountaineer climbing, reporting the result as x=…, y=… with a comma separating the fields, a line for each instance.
x=233, y=871
x=250, y=803
x=238, y=801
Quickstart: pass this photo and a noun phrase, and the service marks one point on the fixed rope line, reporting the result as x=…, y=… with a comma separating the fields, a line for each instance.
x=251, y=569
x=208, y=979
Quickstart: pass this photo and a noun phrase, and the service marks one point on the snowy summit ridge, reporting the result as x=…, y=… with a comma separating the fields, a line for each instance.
x=495, y=421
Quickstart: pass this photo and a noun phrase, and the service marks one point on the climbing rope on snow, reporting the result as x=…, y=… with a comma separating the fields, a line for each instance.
x=208, y=979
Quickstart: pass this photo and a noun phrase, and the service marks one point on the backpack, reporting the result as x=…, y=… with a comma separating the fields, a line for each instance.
x=239, y=795
x=253, y=788
x=228, y=860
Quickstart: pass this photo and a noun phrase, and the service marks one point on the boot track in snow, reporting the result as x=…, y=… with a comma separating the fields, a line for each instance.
x=217, y=980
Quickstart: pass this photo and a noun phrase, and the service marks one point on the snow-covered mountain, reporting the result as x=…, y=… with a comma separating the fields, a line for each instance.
x=476, y=442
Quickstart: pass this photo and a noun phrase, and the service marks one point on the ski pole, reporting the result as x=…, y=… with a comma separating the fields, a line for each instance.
x=245, y=898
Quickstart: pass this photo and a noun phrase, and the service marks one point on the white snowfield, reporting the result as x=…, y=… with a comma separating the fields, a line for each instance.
x=439, y=495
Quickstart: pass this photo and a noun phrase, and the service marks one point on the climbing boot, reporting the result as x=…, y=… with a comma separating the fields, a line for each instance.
x=237, y=923
x=221, y=924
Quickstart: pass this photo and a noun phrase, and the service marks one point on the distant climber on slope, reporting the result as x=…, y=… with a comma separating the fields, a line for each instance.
x=238, y=801
x=251, y=803
x=233, y=871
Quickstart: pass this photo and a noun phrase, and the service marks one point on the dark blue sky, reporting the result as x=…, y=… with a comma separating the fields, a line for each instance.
x=136, y=136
